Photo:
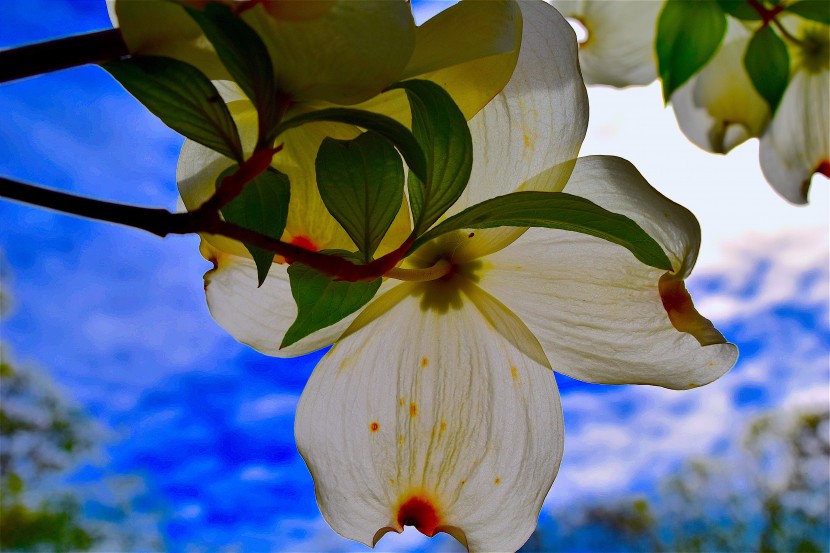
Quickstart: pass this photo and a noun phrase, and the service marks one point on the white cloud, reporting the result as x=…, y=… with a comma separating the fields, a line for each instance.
x=266, y=407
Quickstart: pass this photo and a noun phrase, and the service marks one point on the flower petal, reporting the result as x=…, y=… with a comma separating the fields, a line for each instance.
x=428, y=416
x=259, y=316
x=719, y=108
x=797, y=142
x=619, y=49
x=348, y=55
x=163, y=28
x=601, y=315
x=472, y=66
x=541, y=115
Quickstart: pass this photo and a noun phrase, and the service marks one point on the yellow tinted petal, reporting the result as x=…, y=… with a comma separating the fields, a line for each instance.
x=163, y=28
x=719, y=108
x=346, y=56
x=473, y=65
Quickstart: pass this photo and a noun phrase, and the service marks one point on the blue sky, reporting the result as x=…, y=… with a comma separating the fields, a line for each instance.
x=117, y=318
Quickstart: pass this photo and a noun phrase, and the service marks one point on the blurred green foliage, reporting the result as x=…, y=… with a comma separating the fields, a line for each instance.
x=39, y=435
x=42, y=440
x=773, y=495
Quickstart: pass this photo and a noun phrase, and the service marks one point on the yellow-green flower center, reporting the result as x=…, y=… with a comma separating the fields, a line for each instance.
x=814, y=51
x=436, y=259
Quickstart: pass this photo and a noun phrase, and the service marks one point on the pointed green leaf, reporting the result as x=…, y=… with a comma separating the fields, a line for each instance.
x=321, y=301
x=246, y=58
x=415, y=186
x=689, y=32
x=816, y=10
x=182, y=97
x=768, y=64
x=361, y=183
x=556, y=210
x=441, y=130
x=740, y=9
x=385, y=126
x=262, y=207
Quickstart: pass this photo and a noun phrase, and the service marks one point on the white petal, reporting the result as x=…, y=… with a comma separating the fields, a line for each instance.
x=597, y=311
x=539, y=119
x=719, y=107
x=259, y=317
x=429, y=410
x=619, y=50
x=797, y=142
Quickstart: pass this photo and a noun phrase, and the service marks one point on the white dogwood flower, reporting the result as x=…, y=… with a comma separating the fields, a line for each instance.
x=719, y=108
x=618, y=49
x=796, y=144
x=437, y=406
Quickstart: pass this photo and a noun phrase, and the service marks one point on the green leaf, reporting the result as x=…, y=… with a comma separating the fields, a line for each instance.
x=441, y=130
x=385, y=126
x=262, y=207
x=182, y=97
x=768, y=64
x=361, y=183
x=740, y=9
x=246, y=58
x=321, y=301
x=556, y=210
x=689, y=33
x=816, y=10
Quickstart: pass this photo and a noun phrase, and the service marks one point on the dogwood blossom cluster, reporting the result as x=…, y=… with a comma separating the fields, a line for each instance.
x=437, y=405
x=719, y=107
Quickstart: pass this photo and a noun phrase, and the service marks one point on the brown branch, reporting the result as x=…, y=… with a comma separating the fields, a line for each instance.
x=62, y=53
x=156, y=221
x=161, y=223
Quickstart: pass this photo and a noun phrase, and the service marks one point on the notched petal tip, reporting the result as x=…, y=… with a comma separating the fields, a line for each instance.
x=682, y=313
x=382, y=532
x=421, y=512
x=822, y=168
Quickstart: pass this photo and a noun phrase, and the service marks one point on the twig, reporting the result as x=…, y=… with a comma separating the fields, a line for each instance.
x=161, y=223
x=62, y=53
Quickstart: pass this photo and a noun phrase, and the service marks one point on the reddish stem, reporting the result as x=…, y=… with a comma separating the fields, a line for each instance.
x=233, y=185
x=766, y=15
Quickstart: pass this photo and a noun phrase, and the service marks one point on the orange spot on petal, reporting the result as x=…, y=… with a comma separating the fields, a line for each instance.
x=374, y=426
x=421, y=514
x=682, y=313
x=424, y=362
x=413, y=409
x=497, y=481
x=514, y=372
